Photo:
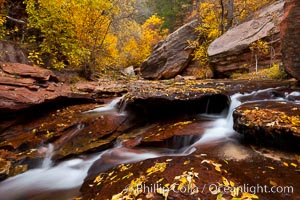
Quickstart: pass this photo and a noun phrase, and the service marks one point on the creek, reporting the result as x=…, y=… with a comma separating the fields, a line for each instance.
x=63, y=180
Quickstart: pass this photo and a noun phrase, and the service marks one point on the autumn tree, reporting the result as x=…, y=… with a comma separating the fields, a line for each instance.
x=137, y=48
x=209, y=29
x=76, y=33
x=217, y=16
x=259, y=48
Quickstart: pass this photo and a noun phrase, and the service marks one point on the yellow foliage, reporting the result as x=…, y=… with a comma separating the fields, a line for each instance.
x=274, y=72
x=86, y=33
x=260, y=47
x=211, y=23
x=158, y=167
x=137, y=47
x=209, y=29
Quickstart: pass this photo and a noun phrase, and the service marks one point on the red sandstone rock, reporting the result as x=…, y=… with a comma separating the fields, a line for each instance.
x=26, y=70
x=290, y=36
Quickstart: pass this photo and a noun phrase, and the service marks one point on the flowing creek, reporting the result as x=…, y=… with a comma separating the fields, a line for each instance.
x=62, y=180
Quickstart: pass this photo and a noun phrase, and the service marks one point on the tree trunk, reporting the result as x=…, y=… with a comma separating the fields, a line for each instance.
x=230, y=14
x=256, y=63
x=222, y=17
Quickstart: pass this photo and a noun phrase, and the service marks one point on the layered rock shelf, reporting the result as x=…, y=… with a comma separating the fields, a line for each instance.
x=270, y=122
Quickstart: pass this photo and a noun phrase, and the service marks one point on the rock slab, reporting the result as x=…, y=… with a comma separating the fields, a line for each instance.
x=230, y=53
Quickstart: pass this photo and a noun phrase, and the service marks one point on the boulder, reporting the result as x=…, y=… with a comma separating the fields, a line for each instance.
x=231, y=53
x=171, y=55
x=290, y=36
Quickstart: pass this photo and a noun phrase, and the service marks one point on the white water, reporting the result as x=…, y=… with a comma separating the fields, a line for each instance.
x=70, y=174
x=223, y=128
x=47, y=162
x=109, y=107
x=293, y=94
x=66, y=175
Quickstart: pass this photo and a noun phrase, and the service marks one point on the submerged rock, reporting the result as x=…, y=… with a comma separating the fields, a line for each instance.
x=24, y=143
x=231, y=53
x=171, y=55
x=270, y=122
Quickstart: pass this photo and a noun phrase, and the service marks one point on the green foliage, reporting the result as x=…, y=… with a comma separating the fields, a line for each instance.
x=173, y=11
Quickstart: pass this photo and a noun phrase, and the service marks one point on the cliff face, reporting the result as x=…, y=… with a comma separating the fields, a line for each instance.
x=290, y=36
x=231, y=53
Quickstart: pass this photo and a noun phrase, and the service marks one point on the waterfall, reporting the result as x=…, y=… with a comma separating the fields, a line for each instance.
x=223, y=128
x=109, y=107
x=47, y=162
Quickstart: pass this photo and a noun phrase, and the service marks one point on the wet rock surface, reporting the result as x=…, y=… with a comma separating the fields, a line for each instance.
x=131, y=137
x=71, y=132
x=270, y=122
x=154, y=99
x=199, y=175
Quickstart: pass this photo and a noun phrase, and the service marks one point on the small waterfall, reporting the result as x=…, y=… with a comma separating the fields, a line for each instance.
x=207, y=106
x=223, y=128
x=294, y=96
x=47, y=162
x=109, y=107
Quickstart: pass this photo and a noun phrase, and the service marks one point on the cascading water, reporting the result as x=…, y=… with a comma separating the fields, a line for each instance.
x=109, y=107
x=222, y=128
x=34, y=183
x=41, y=183
x=47, y=162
